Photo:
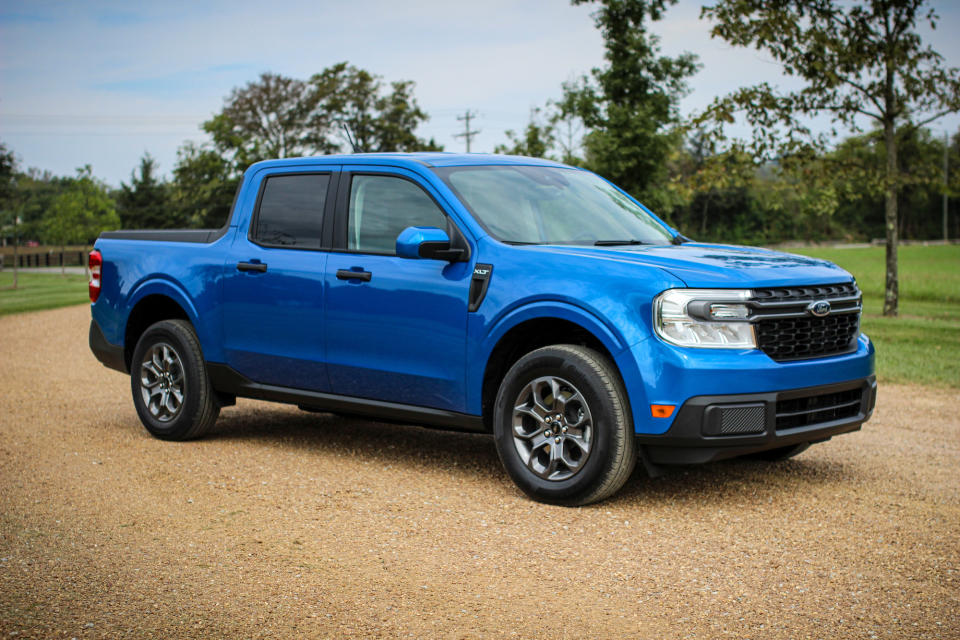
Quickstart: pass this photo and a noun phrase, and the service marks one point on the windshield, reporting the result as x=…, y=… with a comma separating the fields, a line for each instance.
x=551, y=205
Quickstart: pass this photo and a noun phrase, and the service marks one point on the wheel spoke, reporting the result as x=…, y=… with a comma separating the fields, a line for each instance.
x=162, y=382
x=556, y=445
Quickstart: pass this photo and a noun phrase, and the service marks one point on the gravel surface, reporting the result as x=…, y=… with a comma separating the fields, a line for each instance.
x=284, y=523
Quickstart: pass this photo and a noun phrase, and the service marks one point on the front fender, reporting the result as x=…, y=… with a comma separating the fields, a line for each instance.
x=611, y=339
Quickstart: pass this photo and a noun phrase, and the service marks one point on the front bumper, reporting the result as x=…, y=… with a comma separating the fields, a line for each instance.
x=709, y=428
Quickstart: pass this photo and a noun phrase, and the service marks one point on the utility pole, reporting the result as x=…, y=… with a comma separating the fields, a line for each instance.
x=467, y=133
x=946, y=181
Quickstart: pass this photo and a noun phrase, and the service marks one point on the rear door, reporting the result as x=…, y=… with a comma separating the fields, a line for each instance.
x=395, y=327
x=273, y=285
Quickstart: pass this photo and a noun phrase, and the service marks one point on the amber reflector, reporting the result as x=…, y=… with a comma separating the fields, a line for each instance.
x=661, y=410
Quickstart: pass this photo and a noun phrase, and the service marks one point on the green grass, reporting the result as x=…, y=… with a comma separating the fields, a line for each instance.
x=36, y=291
x=922, y=345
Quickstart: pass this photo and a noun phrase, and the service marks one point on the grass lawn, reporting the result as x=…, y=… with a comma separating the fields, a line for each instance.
x=922, y=345
x=37, y=291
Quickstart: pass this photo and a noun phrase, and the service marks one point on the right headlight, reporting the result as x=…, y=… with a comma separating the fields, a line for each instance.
x=706, y=318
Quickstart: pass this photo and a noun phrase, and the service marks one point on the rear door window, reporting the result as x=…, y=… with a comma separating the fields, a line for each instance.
x=291, y=211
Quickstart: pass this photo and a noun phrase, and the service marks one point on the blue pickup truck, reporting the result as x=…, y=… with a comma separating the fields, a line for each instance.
x=506, y=295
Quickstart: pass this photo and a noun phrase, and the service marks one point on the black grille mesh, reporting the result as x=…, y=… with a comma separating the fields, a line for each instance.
x=794, y=338
x=806, y=336
x=802, y=412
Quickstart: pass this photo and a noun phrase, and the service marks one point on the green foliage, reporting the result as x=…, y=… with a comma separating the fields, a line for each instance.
x=203, y=186
x=536, y=141
x=630, y=105
x=37, y=291
x=80, y=212
x=146, y=202
x=923, y=345
x=855, y=60
x=366, y=118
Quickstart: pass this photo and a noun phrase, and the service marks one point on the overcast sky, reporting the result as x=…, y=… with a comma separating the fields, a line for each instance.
x=103, y=82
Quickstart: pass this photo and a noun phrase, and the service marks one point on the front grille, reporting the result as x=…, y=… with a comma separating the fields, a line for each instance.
x=786, y=330
x=811, y=410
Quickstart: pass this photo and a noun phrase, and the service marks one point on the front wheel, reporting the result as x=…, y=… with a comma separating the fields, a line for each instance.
x=562, y=426
x=171, y=390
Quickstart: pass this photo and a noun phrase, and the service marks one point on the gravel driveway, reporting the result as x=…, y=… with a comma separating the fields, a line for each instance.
x=284, y=524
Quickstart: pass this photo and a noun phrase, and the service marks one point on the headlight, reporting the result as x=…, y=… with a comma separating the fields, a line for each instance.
x=707, y=318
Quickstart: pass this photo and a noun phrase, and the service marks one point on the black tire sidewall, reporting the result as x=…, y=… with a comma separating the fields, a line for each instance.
x=562, y=365
x=193, y=369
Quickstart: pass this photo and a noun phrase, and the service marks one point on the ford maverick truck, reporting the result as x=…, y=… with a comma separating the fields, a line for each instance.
x=507, y=295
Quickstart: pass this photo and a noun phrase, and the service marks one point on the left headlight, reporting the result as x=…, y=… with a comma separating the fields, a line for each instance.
x=706, y=318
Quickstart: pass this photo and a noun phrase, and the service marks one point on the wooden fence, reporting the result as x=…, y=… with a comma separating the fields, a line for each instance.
x=45, y=259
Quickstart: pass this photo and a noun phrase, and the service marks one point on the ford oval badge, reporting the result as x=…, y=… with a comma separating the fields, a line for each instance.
x=819, y=308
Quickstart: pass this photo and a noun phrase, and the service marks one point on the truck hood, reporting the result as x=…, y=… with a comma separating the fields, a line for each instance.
x=724, y=266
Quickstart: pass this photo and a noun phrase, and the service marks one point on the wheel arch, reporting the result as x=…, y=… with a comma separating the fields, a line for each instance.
x=535, y=326
x=153, y=302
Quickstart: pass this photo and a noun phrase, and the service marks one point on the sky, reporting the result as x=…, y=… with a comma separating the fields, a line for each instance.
x=101, y=83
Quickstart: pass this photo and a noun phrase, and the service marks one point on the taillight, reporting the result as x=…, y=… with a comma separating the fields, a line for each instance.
x=95, y=261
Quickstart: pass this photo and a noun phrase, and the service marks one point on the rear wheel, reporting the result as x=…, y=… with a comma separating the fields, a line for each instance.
x=168, y=377
x=562, y=426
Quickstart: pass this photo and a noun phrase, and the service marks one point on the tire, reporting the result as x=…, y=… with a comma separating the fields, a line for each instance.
x=170, y=385
x=597, y=451
x=781, y=453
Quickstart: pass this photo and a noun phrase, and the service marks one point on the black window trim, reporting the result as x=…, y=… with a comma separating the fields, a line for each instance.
x=458, y=238
x=329, y=208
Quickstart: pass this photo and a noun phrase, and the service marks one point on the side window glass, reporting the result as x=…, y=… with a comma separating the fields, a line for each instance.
x=383, y=206
x=291, y=210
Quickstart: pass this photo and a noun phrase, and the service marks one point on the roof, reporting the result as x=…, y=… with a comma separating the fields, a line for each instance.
x=429, y=159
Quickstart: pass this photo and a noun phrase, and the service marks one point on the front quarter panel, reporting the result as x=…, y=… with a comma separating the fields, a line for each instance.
x=608, y=297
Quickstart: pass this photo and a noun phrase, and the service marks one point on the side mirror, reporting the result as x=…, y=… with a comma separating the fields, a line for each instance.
x=426, y=242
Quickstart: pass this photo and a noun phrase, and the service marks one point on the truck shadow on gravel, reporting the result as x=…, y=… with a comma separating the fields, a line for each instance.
x=470, y=456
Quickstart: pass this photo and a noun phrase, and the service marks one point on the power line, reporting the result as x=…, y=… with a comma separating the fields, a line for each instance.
x=467, y=133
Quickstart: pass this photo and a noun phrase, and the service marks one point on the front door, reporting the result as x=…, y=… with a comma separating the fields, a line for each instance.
x=395, y=327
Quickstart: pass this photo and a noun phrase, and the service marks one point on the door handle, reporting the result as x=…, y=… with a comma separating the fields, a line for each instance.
x=347, y=274
x=252, y=266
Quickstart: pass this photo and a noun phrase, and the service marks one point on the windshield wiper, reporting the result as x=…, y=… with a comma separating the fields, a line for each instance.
x=614, y=243
x=680, y=239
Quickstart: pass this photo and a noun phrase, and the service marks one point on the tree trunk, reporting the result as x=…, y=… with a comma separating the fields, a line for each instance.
x=892, y=289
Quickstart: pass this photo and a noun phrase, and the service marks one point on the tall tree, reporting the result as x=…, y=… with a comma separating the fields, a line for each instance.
x=862, y=60
x=272, y=117
x=363, y=117
x=203, y=186
x=630, y=105
x=145, y=202
x=80, y=213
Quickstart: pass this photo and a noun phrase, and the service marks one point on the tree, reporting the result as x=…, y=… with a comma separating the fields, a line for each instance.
x=364, y=118
x=630, y=105
x=273, y=117
x=145, y=203
x=8, y=209
x=856, y=61
x=203, y=186
x=536, y=141
x=80, y=213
